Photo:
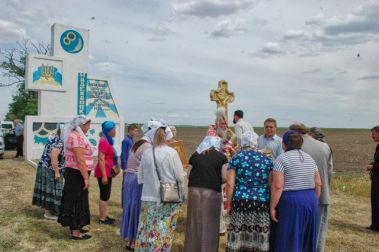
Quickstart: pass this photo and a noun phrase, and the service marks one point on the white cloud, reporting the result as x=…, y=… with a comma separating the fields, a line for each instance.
x=270, y=49
x=10, y=31
x=109, y=67
x=228, y=28
x=321, y=34
x=211, y=8
x=160, y=33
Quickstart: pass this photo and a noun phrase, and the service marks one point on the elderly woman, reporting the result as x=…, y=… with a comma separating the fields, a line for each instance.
x=74, y=211
x=248, y=194
x=107, y=158
x=206, y=173
x=157, y=220
x=49, y=178
x=132, y=191
x=296, y=185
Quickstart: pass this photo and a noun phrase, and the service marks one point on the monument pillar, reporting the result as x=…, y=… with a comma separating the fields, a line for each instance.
x=65, y=90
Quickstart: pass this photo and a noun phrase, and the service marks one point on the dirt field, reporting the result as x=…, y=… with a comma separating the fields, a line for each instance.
x=23, y=228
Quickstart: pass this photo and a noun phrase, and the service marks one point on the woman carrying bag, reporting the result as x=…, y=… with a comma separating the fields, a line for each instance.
x=160, y=168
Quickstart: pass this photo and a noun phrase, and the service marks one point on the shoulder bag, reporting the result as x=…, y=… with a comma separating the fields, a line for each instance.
x=169, y=191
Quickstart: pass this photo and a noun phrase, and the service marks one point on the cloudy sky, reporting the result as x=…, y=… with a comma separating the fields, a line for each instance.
x=313, y=61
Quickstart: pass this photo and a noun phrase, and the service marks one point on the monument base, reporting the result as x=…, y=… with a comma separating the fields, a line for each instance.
x=37, y=129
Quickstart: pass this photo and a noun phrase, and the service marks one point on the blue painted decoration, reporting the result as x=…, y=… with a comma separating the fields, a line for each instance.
x=72, y=41
x=47, y=75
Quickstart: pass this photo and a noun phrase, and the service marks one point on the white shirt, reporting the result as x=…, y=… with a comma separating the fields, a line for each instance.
x=242, y=127
x=170, y=167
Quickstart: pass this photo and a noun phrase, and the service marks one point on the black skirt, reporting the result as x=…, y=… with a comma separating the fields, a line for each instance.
x=74, y=211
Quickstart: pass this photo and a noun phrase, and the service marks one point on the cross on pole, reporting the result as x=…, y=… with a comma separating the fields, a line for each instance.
x=222, y=96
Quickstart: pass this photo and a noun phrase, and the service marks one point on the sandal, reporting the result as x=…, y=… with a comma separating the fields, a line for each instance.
x=81, y=237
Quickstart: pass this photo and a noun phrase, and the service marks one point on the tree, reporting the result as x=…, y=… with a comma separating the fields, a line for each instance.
x=12, y=69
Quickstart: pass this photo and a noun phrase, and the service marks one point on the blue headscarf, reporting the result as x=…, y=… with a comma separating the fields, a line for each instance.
x=105, y=128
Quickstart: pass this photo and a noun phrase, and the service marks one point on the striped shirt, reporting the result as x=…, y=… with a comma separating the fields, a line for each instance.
x=75, y=140
x=299, y=170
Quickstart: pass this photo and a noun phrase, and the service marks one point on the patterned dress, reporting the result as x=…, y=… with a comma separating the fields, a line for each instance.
x=156, y=228
x=48, y=191
x=249, y=227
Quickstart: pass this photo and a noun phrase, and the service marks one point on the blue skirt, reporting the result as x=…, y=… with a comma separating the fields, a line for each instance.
x=131, y=206
x=296, y=230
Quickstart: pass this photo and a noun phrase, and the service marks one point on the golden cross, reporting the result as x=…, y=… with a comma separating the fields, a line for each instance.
x=222, y=96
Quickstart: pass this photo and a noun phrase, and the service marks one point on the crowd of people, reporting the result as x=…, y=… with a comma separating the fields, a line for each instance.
x=271, y=193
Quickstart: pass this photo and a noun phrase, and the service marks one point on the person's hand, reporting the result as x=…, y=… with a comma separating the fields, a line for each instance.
x=273, y=215
x=86, y=184
x=57, y=176
x=368, y=167
x=228, y=211
x=104, y=180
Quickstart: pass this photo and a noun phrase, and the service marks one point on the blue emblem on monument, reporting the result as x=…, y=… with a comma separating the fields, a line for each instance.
x=72, y=41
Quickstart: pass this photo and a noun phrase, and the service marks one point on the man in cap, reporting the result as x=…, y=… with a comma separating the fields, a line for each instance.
x=322, y=155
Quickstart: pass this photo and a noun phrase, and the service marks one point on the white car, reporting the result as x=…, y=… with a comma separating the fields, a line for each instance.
x=2, y=145
x=6, y=126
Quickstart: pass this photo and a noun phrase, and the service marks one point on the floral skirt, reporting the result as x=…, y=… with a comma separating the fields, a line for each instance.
x=249, y=227
x=47, y=191
x=156, y=228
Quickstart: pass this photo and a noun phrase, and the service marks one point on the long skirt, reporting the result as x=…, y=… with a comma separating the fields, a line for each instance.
x=156, y=228
x=249, y=227
x=203, y=220
x=131, y=206
x=47, y=191
x=296, y=230
x=74, y=211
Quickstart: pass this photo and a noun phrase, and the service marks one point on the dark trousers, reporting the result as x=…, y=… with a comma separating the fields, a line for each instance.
x=375, y=200
x=20, y=143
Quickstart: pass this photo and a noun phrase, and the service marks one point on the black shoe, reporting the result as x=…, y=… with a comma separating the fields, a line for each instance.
x=106, y=222
x=128, y=248
x=81, y=237
x=109, y=218
x=372, y=229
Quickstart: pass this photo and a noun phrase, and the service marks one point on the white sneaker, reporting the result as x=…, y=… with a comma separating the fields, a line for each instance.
x=50, y=217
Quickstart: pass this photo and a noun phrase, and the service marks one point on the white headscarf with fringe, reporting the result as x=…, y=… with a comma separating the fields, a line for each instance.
x=74, y=125
x=150, y=127
x=249, y=139
x=209, y=142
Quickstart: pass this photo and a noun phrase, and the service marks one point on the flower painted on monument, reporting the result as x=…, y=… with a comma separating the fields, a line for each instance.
x=72, y=41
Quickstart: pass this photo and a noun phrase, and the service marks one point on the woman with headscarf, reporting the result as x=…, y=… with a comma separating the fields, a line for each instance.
x=74, y=211
x=206, y=174
x=107, y=158
x=295, y=187
x=248, y=195
x=157, y=220
x=49, y=178
x=131, y=193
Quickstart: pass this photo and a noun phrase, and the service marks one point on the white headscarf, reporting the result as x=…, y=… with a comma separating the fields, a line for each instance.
x=249, y=139
x=150, y=127
x=209, y=142
x=74, y=125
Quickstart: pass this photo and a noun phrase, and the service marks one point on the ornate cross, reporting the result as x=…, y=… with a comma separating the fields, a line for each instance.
x=222, y=96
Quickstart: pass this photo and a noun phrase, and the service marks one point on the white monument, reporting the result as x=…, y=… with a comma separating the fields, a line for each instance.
x=65, y=90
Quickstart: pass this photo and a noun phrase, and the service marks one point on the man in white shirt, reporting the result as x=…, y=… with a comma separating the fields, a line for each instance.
x=269, y=140
x=241, y=126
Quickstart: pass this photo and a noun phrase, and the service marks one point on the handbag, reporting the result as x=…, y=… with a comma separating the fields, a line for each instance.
x=115, y=170
x=169, y=191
